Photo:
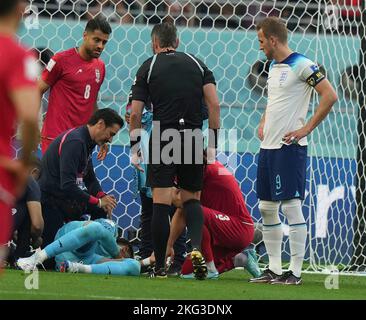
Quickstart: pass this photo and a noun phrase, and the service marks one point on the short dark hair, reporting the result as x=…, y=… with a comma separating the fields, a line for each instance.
x=273, y=26
x=166, y=33
x=125, y=242
x=109, y=116
x=98, y=23
x=7, y=6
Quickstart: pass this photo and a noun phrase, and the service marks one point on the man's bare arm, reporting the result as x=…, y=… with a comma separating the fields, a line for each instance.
x=213, y=105
x=35, y=214
x=42, y=86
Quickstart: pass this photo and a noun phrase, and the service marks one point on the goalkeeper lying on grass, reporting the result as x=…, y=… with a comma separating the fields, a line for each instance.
x=87, y=247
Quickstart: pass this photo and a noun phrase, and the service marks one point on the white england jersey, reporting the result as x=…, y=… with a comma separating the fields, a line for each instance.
x=290, y=84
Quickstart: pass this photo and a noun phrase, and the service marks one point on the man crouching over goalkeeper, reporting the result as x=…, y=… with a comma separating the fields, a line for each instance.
x=228, y=227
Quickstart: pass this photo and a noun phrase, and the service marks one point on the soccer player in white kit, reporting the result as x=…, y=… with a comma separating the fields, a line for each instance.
x=281, y=174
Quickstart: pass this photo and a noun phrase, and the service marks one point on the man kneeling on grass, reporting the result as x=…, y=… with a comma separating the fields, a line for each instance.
x=87, y=247
x=228, y=228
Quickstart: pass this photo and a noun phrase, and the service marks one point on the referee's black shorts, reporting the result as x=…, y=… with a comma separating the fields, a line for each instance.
x=186, y=169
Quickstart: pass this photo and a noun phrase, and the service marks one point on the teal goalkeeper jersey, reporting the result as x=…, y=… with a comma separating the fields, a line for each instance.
x=140, y=177
x=101, y=247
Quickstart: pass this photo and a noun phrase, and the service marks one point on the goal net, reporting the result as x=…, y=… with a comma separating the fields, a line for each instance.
x=222, y=33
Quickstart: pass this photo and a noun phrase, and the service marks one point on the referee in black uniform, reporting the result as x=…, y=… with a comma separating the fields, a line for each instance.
x=176, y=83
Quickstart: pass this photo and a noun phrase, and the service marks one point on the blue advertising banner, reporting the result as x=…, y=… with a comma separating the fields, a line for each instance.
x=329, y=207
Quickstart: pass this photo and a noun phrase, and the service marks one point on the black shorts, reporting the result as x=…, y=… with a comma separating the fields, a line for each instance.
x=186, y=168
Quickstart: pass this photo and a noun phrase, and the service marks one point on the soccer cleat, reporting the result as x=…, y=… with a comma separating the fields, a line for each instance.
x=189, y=276
x=174, y=270
x=252, y=263
x=199, y=265
x=68, y=266
x=159, y=274
x=288, y=278
x=28, y=264
x=146, y=270
x=266, y=277
x=210, y=276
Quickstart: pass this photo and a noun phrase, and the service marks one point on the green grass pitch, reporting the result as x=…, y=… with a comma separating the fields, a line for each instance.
x=232, y=285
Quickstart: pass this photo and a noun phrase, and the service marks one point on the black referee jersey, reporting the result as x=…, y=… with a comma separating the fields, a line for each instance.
x=173, y=82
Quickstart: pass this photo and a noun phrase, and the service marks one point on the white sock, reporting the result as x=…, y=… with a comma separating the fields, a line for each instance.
x=297, y=239
x=298, y=233
x=240, y=260
x=211, y=267
x=41, y=256
x=83, y=268
x=272, y=234
x=272, y=237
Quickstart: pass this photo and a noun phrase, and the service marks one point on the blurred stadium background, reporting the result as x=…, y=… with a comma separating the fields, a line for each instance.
x=222, y=33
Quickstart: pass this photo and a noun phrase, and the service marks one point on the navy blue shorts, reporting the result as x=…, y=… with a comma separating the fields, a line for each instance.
x=281, y=173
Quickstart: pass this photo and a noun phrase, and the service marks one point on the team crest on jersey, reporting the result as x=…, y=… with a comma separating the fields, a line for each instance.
x=97, y=75
x=283, y=77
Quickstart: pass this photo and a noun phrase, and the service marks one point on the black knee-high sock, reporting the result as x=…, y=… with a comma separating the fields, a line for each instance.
x=194, y=220
x=160, y=232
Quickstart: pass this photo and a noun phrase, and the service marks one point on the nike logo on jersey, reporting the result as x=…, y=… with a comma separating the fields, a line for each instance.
x=277, y=193
x=79, y=71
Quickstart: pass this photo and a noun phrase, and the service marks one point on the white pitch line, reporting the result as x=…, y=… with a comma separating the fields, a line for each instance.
x=37, y=293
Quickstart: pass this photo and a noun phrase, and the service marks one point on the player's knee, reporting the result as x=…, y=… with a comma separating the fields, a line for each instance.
x=268, y=207
x=293, y=211
x=135, y=267
x=126, y=267
x=269, y=212
x=92, y=230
